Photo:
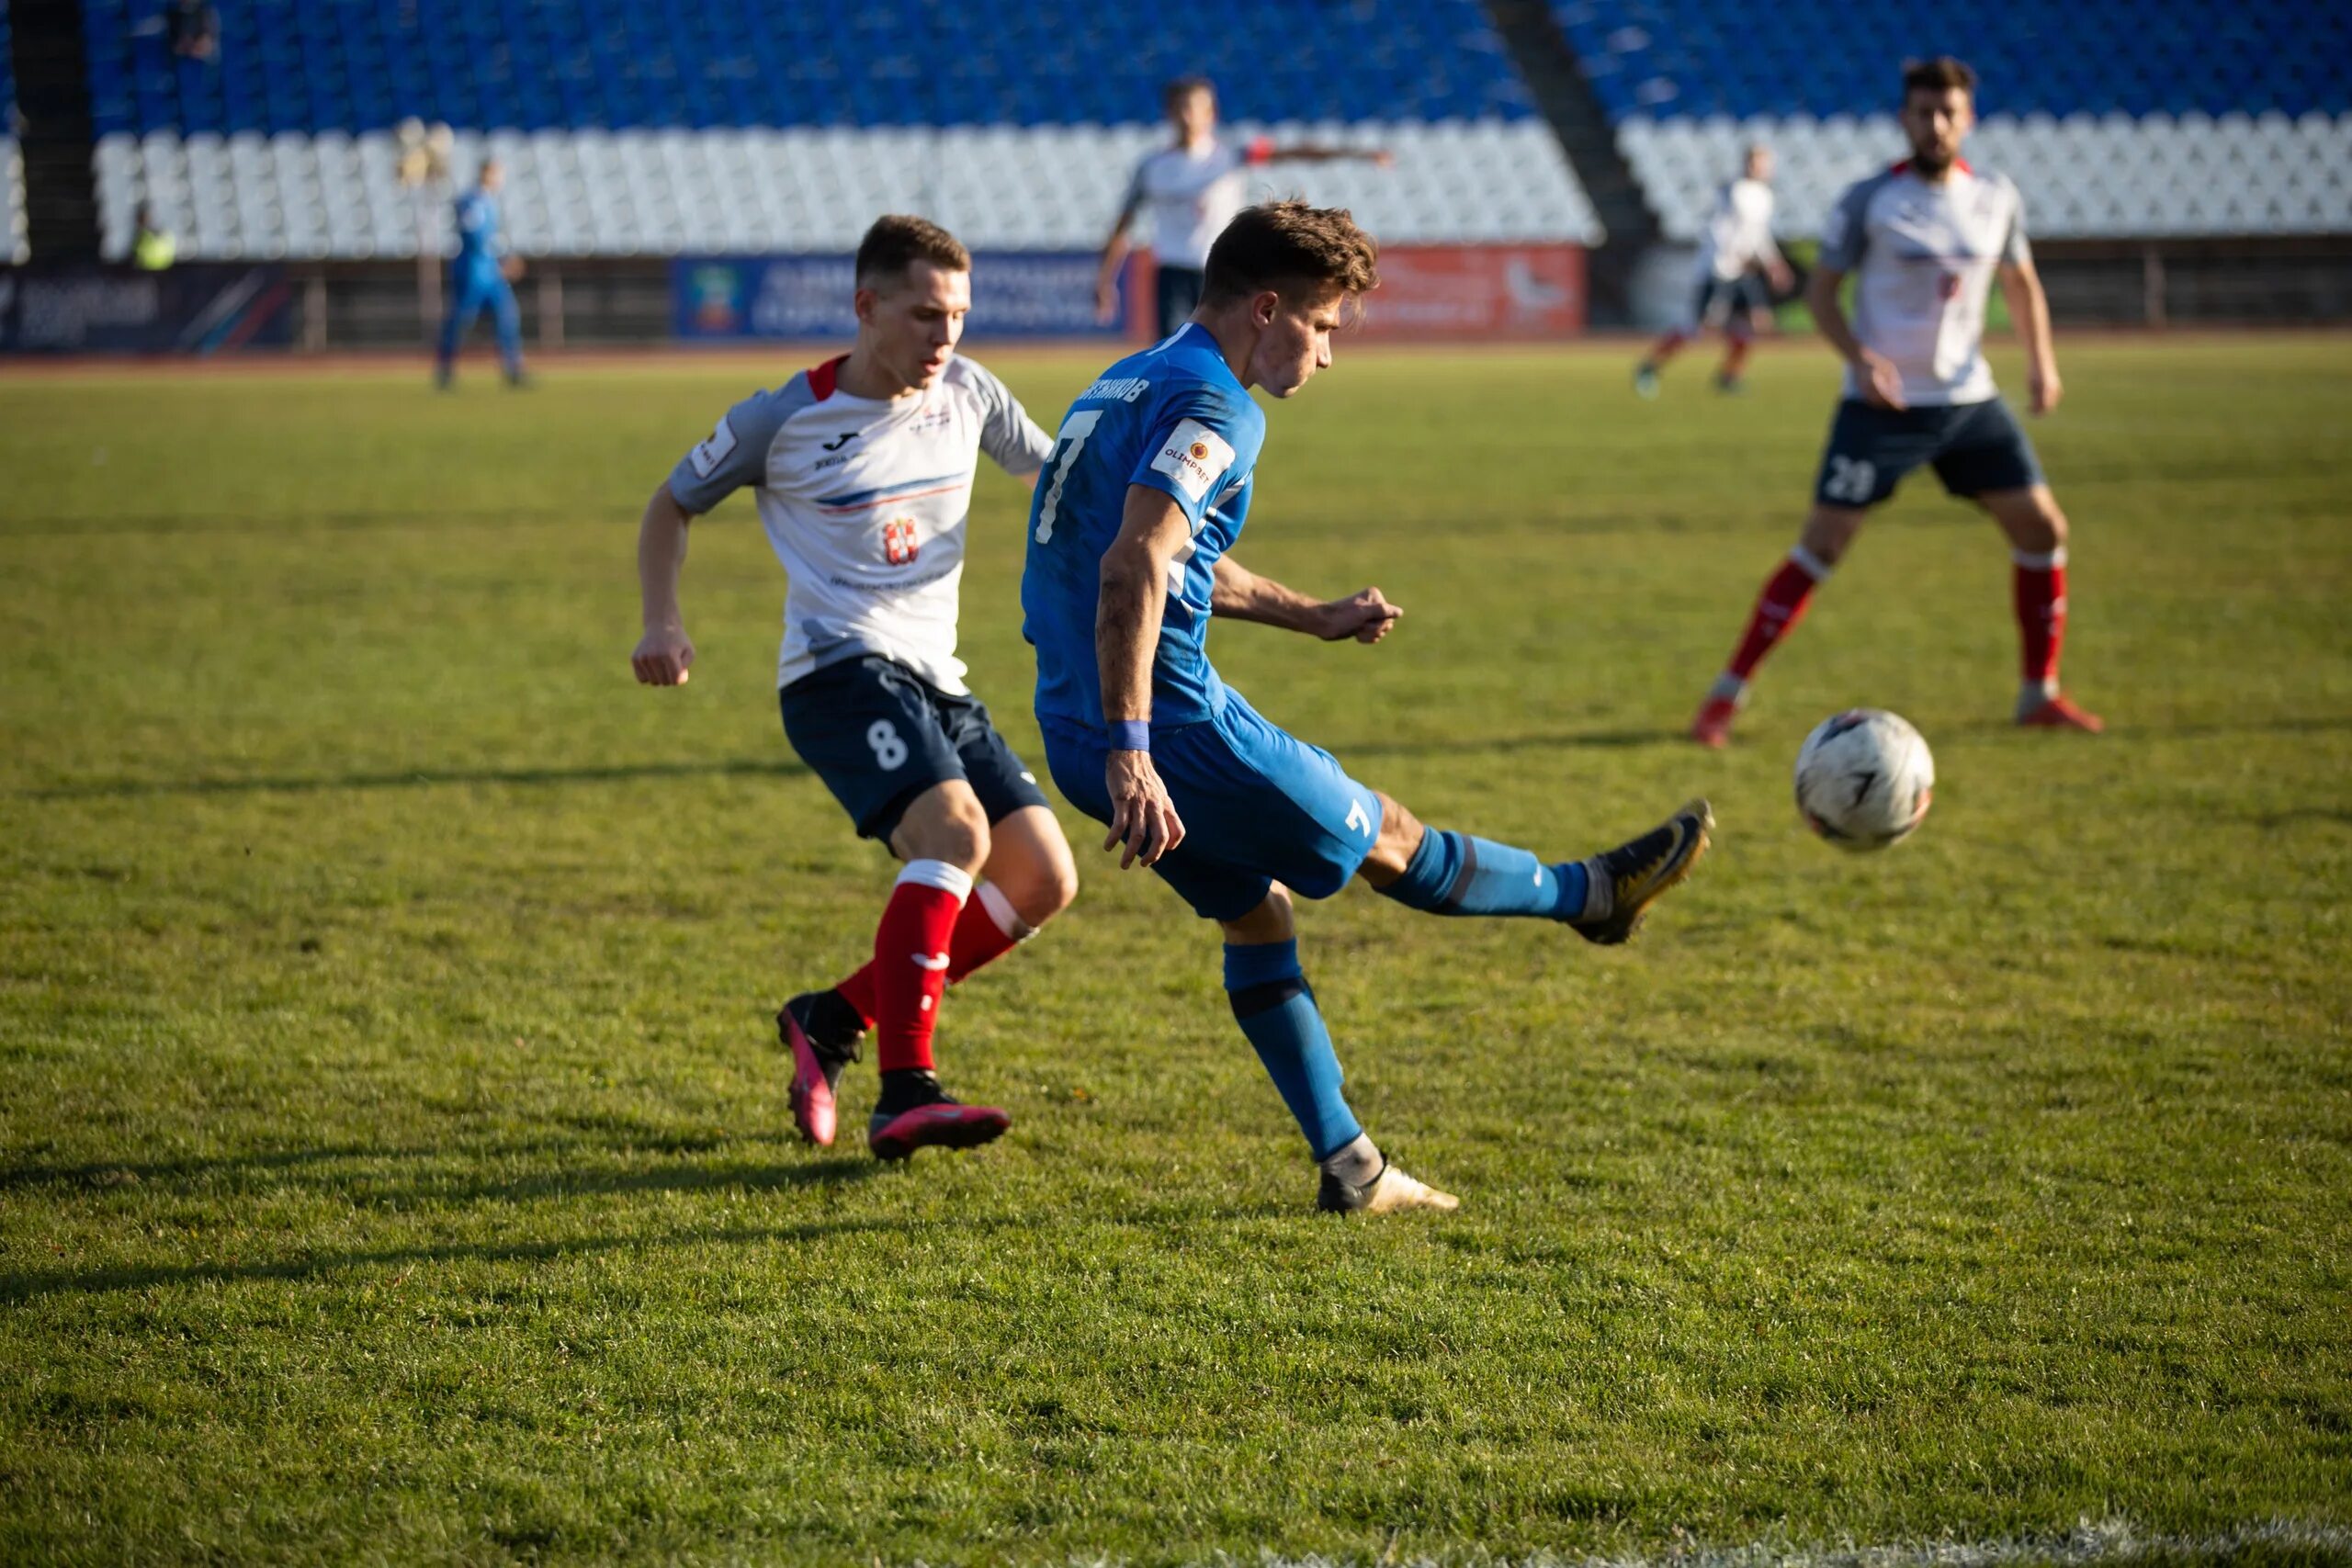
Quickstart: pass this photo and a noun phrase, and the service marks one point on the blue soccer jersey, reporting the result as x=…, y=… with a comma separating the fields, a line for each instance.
x=1173, y=417
x=479, y=246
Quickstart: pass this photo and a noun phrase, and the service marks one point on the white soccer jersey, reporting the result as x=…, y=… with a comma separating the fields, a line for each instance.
x=865, y=504
x=1923, y=256
x=1738, y=234
x=1188, y=197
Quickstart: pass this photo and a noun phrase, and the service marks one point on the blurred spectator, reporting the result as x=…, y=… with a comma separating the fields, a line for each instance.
x=193, y=29
x=153, y=248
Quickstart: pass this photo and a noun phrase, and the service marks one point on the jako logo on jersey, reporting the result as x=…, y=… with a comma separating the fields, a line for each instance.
x=898, y=540
x=1195, y=457
x=838, y=443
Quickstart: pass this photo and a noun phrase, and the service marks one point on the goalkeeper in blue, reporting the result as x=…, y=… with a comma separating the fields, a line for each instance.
x=1136, y=513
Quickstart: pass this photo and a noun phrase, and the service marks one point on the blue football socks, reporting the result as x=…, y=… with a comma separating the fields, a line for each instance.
x=1453, y=874
x=1276, y=1011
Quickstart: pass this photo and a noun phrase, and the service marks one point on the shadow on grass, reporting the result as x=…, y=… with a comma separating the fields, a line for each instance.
x=1597, y=739
x=16, y=1289
x=421, y=778
x=2125, y=729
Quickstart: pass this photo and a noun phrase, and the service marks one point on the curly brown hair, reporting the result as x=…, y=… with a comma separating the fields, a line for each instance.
x=1280, y=243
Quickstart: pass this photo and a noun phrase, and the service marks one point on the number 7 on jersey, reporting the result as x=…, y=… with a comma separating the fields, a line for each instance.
x=1067, y=446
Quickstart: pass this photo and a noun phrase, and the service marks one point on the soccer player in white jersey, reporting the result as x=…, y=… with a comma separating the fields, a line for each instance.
x=1728, y=295
x=1923, y=241
x=1187, y=192
x=863, y=469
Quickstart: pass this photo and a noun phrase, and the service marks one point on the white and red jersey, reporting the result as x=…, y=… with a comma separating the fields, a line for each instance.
x=1923, y=255
x=865, y=502
x=1738, y=235
x=1188, y=196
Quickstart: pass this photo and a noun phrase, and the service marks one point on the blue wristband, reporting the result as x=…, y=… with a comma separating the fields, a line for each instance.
x=1130, y=735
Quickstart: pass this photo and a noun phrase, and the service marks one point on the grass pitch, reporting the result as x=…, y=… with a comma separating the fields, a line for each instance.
x=394, y=1160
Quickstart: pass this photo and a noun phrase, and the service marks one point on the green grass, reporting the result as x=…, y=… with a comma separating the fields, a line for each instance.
x=394, y=1160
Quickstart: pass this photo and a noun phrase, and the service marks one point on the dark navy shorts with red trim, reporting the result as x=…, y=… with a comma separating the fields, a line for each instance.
x=1974, y=447
x=879, y=735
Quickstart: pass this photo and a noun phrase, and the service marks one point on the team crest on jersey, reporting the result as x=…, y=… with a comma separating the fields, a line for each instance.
x=898, y=540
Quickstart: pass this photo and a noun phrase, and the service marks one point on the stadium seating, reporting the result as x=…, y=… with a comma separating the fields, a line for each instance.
x=639, y=127
x=2140, y=119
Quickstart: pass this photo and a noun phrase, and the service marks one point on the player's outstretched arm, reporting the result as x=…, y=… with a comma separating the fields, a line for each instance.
x=1321, y=152
x=663, y=655
x=1882, y=383
x=1241, y=594
x=1114, y=250
x=2029, y=308
x=1152, y=528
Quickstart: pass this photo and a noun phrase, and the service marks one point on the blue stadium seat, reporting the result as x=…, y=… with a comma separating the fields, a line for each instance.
x=353, y=65
x=1665, y=58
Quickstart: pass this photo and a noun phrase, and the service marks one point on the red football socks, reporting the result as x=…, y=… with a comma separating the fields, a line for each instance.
x=910, y=961
x=1778, y=609
x=2039, y=584
x=986, y=931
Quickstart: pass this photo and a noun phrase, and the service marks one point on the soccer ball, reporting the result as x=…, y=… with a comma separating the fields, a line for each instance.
x=1864, y=778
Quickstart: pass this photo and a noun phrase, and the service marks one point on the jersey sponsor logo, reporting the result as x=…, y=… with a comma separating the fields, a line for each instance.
x=1196, y=457
x=838, y=442
x=1116, y=389
x=898, y=540
x=714, y=450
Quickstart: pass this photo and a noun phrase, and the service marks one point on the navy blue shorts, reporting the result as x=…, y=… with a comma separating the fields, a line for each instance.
x=1975, y=447
x=1729, y=302
x=879, y=735
x=1259, y=806
x=1176, y=293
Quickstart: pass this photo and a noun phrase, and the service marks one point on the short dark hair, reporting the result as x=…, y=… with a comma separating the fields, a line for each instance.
x=1941, y=74
x=1279, y=242
x=1183, y=86
x=896, y=241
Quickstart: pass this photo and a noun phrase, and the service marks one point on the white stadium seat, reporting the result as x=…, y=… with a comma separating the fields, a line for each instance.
x=16, y=245
x=2111, y=176
x=806, y=188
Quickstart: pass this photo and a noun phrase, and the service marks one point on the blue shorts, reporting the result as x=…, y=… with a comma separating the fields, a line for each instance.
x=879, y=735
x=1975, y=447
x=1259, y=806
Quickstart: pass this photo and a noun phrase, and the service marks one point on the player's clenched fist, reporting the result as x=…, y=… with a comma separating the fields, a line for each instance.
x=662, y=657
x=1365, y=616
x=1143, y=819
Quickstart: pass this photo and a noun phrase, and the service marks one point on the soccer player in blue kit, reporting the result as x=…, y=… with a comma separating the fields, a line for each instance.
x=478, y=278
x=1143, y=492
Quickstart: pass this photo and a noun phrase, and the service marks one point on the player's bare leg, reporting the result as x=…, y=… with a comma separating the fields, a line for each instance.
x=2037, y=536
x=1027, y=879
x=1827, y=533
x=1740, y=337
x=944, y=838
x=1646, y=374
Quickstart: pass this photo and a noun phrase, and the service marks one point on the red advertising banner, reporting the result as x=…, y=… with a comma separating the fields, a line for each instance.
x=1477, y=292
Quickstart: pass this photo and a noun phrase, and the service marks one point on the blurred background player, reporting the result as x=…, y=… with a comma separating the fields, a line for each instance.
x=1729, y=295
x=1129, y=559
x=1923, y=240
x=863, y=471
x=1188, y=192
x=482, y=274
